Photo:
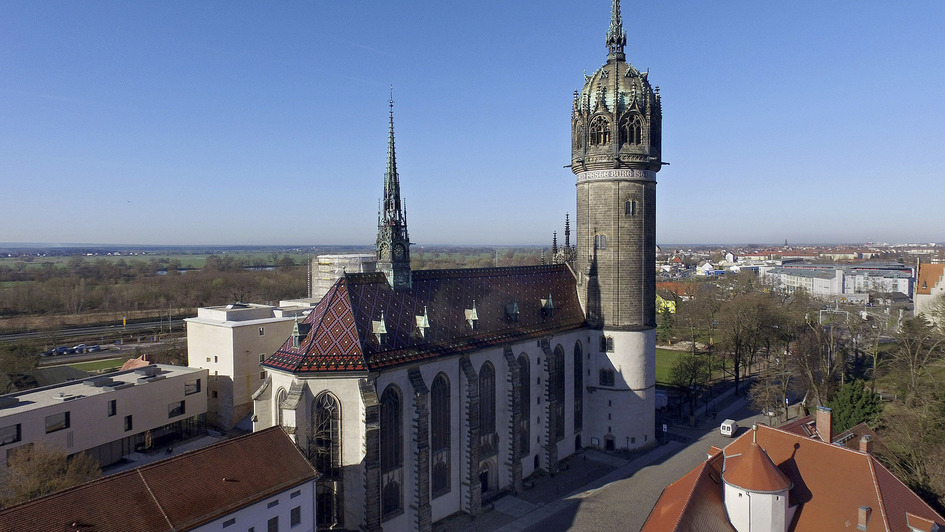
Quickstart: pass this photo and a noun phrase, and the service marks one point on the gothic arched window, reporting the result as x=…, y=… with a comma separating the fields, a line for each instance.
x=559, y=393
x=578, y=387
x=487, y=434
x=440, y=434
x=325, y=455
x=392, y=455
x=631, y=130
x=599, y=131
x=525, y=398
x=281, y=397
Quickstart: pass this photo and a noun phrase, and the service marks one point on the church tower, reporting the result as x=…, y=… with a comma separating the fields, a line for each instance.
x=615, y=154
x=393, y=243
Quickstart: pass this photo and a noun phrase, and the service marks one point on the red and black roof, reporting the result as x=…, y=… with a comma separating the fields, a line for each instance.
x=339, y=334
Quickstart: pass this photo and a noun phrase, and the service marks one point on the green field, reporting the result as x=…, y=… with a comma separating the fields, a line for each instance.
x=99, y=365
x=665, y=358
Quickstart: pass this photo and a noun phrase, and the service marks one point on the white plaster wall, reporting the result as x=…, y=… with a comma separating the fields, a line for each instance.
x=257, y=515
x=89, y=424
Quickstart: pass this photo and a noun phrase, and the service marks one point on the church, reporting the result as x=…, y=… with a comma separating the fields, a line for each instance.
x=420, y=394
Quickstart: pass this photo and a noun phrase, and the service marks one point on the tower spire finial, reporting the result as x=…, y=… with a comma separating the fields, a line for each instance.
x=616, y=37
x=392, y=208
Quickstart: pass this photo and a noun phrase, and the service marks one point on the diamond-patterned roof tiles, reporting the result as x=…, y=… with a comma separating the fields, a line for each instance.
x=342, y=336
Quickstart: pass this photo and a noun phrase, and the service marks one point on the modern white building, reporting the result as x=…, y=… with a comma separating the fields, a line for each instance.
x=107, y=417
x=230, y=342
x=854, y=283
x=259, y=482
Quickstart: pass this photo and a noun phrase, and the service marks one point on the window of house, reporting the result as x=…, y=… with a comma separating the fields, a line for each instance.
x=273, y=524
x=578, y=388
x=262, y=331
x=175, y=409
x=112, y=407
x=192, y=387
x=128, y=423
x=56, y=422
x=213, y=394
x=295, y=516
x=216, y=358
x=273, y=504
x=10, y=434
x=262, y=357
x=600, y=241
x=558, y=383
x=630, y=208
x=229, y=522
x=295, y=494
x=606, y=377
x=262, y=375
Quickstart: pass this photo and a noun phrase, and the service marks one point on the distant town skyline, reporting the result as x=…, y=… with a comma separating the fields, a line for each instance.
x=240, y=123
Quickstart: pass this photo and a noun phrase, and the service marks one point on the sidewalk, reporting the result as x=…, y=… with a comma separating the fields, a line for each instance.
x=581, y=474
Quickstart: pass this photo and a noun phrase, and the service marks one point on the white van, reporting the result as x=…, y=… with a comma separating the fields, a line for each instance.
x=729, y=428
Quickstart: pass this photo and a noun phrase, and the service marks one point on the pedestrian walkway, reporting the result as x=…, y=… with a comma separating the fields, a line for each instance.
x=581, y=475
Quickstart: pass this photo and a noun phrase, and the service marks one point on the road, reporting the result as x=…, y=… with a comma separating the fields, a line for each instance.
x=91, y=332
x=626, y=503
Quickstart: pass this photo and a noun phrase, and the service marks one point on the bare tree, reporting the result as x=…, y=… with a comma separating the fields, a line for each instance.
x=36, y=470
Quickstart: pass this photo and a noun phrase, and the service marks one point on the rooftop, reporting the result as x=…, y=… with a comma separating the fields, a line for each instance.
x=18, y=402
x=179, y=493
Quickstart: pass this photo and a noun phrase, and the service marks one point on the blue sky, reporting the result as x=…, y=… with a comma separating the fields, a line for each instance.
x=266, y=122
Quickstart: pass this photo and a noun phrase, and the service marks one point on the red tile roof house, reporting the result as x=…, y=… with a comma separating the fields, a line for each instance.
x=777, y=480
x=251, y=482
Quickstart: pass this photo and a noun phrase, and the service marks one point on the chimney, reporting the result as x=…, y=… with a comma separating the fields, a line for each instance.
x=866, y=444
x=825, y=424
x=863, y=517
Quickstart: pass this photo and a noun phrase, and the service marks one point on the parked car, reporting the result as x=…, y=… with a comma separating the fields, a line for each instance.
x=49, y=353
x=61, y=350
x=728, y=428
x=79, y=348
x=94, y=348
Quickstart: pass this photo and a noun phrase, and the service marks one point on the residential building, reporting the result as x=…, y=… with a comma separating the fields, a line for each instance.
x=230, y=342
x=107, y=417
x=420, y=394
x=778, y=480
x=255, y=482
x=930, y=284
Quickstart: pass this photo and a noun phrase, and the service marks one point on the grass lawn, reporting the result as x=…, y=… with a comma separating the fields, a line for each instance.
x=98, y=365
x=665, y=358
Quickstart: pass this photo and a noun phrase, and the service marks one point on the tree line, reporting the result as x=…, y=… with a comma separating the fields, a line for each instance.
x=101, y=285
x=866, y=363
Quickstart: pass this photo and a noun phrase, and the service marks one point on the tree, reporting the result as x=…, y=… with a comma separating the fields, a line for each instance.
x=818, y=361
x=15, y=360
x=854, y=404
x=914, y=441
x=921, y=345
x=689, y=375
x=36, y=470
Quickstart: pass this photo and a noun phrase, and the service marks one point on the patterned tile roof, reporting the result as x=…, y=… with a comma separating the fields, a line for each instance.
x=342, y=326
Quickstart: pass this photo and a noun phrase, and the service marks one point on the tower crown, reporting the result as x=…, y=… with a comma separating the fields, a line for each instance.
x=617, y=115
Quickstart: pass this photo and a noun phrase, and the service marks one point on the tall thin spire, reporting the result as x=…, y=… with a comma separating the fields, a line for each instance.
x=393, y=242
x=616, y=37
x=392, y=207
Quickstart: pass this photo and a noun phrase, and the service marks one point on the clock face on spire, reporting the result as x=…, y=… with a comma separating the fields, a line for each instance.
x=399, y=252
